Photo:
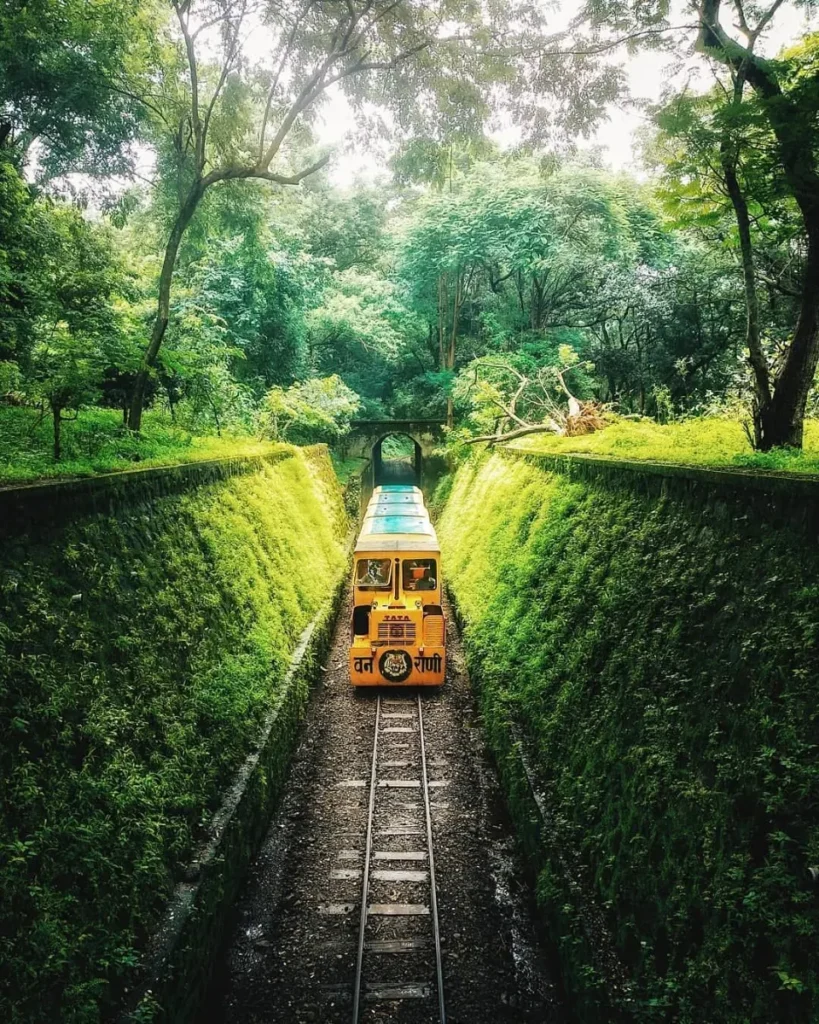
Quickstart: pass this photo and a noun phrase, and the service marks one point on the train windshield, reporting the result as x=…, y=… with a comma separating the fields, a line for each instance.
x=419, y=574
x=373, y=573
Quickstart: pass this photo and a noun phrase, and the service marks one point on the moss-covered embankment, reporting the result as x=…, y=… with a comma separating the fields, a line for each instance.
x=147, y=623
x=650, y=645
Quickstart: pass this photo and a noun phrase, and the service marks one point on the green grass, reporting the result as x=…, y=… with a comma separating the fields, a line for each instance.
x=345, y=468
x=709, y=441
x=97, y=443
x=139, y=653
x=661, y=658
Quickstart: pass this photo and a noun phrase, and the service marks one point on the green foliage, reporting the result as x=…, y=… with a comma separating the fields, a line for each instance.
x=520, y=258
x=96, y=442
x=56, y=268
x=517, y=260
x=659, y=656
x=244, y=266
x=422, y=395
x=60, y=63
x=319, y=410
x=140, y=653
x=345, y=226
x=696, y=135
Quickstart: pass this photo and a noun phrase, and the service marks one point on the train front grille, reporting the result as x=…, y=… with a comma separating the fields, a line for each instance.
x=397, y=631
x=434, y=630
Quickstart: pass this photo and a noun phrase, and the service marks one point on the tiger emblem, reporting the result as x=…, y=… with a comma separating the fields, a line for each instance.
x=395, y=666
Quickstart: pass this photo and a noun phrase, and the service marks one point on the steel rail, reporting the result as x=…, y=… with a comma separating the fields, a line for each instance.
x=433, y=892
x=365, y=889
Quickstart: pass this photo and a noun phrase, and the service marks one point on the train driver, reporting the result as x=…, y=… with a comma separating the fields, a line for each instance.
x=376, y=573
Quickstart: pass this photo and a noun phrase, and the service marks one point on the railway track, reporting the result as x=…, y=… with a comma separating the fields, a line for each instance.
x=389, y=815
x=398, y=922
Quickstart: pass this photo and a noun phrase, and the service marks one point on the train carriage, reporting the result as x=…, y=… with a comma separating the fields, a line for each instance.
x=398, y=627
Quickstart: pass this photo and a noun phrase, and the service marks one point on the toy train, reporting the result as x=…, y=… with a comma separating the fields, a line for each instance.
x=398, y=627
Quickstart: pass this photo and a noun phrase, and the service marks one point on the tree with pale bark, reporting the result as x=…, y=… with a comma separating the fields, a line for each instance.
x=519, y=400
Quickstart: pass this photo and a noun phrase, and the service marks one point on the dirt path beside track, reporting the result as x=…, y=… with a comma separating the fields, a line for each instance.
x=292, y=952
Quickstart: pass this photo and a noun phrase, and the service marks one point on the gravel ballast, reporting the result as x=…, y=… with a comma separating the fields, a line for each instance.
x=292, y=951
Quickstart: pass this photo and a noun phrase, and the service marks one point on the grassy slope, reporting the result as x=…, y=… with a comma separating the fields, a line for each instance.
x=138, y=655
x=346, y=468
x=96, y=443
x=663, y=663
x=701, y=442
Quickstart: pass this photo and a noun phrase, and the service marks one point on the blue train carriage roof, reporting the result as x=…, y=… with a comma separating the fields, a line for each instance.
x=400, y=505
x=397, y=533
x=397, y=499
x=396, y=508
x=398, y=489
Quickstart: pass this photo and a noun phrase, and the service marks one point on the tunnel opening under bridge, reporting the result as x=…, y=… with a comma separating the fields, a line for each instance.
x=397, y=459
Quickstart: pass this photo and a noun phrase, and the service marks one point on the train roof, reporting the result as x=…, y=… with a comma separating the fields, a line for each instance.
x=397, y=489
x=397, y=543
x=407, y=501
x=392, y=532
x=415, y=524
x=397, y=520
x=397, y=508
x=397, y=499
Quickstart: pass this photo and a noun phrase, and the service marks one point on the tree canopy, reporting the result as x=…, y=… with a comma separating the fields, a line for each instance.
x=240, y=268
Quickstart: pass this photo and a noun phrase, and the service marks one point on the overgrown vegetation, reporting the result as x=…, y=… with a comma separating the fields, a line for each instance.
x=172, y=242
x=698, y=441
x=95, y=442
x=215, y=289
x=659, y=657
x=138, y=655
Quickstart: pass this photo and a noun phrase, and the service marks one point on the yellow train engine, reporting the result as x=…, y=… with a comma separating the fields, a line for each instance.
x=398, y=627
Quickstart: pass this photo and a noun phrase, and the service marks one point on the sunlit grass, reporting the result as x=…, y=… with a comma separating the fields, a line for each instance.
x=345, y=468
x=128, y=709
x=658, y=658
x=97, y=443
x=709, y=441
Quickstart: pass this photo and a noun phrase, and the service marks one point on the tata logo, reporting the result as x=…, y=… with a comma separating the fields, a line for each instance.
x=397, y=618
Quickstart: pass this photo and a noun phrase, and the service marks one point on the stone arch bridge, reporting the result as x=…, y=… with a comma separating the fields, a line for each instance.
x=366, y=437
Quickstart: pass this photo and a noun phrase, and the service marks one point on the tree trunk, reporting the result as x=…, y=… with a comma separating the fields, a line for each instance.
x=442, y=312
x=780, y=421
x=163, y=305
x=453, y=335
x=756, y=356
x=57, y=417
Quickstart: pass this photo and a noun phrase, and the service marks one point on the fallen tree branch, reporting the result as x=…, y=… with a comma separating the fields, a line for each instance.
x=540, y=428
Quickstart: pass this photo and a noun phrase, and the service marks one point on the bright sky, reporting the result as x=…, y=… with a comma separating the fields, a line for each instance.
x=648, y=74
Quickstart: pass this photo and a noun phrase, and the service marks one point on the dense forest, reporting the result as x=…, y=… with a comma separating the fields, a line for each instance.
x=173, y=239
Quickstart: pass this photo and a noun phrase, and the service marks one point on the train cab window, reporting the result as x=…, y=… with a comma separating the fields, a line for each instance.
x=419, y=574
x=373, y=573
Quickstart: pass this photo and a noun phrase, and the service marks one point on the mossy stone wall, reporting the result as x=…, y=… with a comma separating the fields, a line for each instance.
x=144, y=638
x=650, y=644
